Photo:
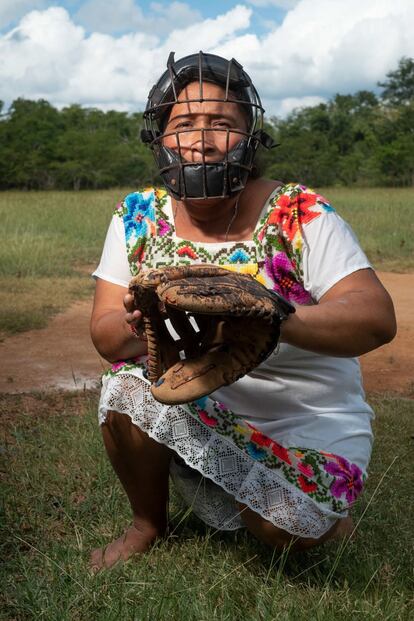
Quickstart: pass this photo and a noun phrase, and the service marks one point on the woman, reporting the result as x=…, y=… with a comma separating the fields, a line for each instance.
x=283, y=451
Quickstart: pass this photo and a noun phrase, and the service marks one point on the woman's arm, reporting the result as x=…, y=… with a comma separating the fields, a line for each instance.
x=355, y=316
x=112, y=318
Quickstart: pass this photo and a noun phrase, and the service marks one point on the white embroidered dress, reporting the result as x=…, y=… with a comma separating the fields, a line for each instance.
x=292, y=439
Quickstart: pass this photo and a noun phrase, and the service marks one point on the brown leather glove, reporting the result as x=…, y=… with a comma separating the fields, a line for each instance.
x=224, y=325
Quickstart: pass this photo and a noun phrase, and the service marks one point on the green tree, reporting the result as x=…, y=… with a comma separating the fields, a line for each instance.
x=399, y=87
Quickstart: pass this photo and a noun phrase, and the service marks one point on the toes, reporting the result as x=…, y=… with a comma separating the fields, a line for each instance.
x=113, y=552
x=96, y=560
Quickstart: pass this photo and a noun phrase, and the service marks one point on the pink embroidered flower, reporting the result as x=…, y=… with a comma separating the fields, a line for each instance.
x=207, y=419
x=118, y=365
x=163, y=227
x=221, y=406
x=347, y=478
x=280, y=270
x=306, y=469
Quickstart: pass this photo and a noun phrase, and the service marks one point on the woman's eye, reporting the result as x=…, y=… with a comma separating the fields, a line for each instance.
x=224, y=124
x=183, y=124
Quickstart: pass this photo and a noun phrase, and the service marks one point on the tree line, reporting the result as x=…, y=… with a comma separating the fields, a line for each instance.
x=359, y=139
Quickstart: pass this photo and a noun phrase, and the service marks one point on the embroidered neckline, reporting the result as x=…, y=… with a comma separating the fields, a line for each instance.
x=267, y=206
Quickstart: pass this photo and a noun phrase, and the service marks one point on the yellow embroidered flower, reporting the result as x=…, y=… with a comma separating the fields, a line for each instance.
x=242, y=268
x=260, y=278
x=160, y=193
x=243, y=430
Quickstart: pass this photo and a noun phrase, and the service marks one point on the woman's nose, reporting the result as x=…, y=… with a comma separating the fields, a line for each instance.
x=199, y=142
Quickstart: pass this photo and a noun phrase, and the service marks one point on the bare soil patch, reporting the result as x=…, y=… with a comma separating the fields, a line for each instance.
x=62, y=356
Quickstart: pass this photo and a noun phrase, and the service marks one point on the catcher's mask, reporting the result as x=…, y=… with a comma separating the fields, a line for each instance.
x=200, y=180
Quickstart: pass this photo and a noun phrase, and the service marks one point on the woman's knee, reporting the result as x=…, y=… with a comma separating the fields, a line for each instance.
x=116, y=427
x=278, y=538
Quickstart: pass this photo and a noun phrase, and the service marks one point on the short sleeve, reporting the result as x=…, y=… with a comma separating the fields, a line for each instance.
x=114, y=266
x=330, y=252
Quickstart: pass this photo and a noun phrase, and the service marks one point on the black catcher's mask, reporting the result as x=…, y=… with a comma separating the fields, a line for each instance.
x=204, y=179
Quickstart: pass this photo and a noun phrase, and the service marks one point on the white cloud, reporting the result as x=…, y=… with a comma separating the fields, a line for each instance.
x=328, y=46
x=49, y=56
x=322, y=47
x=284, y=106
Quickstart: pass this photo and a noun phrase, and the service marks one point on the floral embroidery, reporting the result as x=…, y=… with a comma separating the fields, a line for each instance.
x=208, y=420
x=255, y=452
x=325, y=477
x=163, y=227
x=123, y=366
x=239, y=256
x=187, y=251
x=347, y=478
x=281, y=271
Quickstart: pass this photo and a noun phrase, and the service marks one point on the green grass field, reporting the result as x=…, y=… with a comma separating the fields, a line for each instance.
x=51, y=241
x=61, y=499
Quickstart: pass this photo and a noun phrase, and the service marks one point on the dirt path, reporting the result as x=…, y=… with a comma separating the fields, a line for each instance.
x=62, y=355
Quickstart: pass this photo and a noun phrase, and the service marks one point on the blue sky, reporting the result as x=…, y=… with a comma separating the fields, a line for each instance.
x=108, y=53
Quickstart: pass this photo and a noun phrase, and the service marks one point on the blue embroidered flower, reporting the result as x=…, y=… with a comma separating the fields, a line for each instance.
x=239, y=256
x=255, y=452
x=326, y=206
x=201, y=403
x=140, y=210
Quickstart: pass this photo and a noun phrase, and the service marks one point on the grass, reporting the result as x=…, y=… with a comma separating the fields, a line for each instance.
x=51, y=241
x=62, y=499
x=383, y=219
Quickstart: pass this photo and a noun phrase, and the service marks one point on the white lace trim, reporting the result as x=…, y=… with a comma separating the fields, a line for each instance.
x=237, y=476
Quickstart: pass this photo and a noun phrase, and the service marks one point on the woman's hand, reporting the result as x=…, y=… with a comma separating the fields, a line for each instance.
x=133, y=317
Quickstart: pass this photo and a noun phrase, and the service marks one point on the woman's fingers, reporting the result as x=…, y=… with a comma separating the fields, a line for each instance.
x=129, y=303
x=133, y=315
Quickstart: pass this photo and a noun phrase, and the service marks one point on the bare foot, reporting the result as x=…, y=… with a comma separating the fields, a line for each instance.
x=133, y=541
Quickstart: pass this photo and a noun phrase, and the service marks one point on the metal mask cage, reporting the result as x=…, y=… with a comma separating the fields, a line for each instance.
x=204, y=179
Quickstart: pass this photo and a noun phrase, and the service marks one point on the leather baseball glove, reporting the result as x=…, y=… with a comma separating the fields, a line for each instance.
x=223, y=325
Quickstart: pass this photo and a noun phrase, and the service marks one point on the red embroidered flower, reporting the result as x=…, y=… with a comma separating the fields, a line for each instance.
x=207, y=419
x=281, y=452
x=260, y=439
x=293, y=211
x=187, y=251
x=306, y=469
x=306, y=486
x=139, y=253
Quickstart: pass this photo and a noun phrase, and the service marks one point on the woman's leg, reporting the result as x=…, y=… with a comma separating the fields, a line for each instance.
x=280, y=539
x=142, y=466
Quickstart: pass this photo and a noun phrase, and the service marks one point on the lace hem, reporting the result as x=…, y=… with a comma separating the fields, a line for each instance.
x=238, y=477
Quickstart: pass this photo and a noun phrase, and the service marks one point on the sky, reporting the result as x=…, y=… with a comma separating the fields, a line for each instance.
x=108, y=53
